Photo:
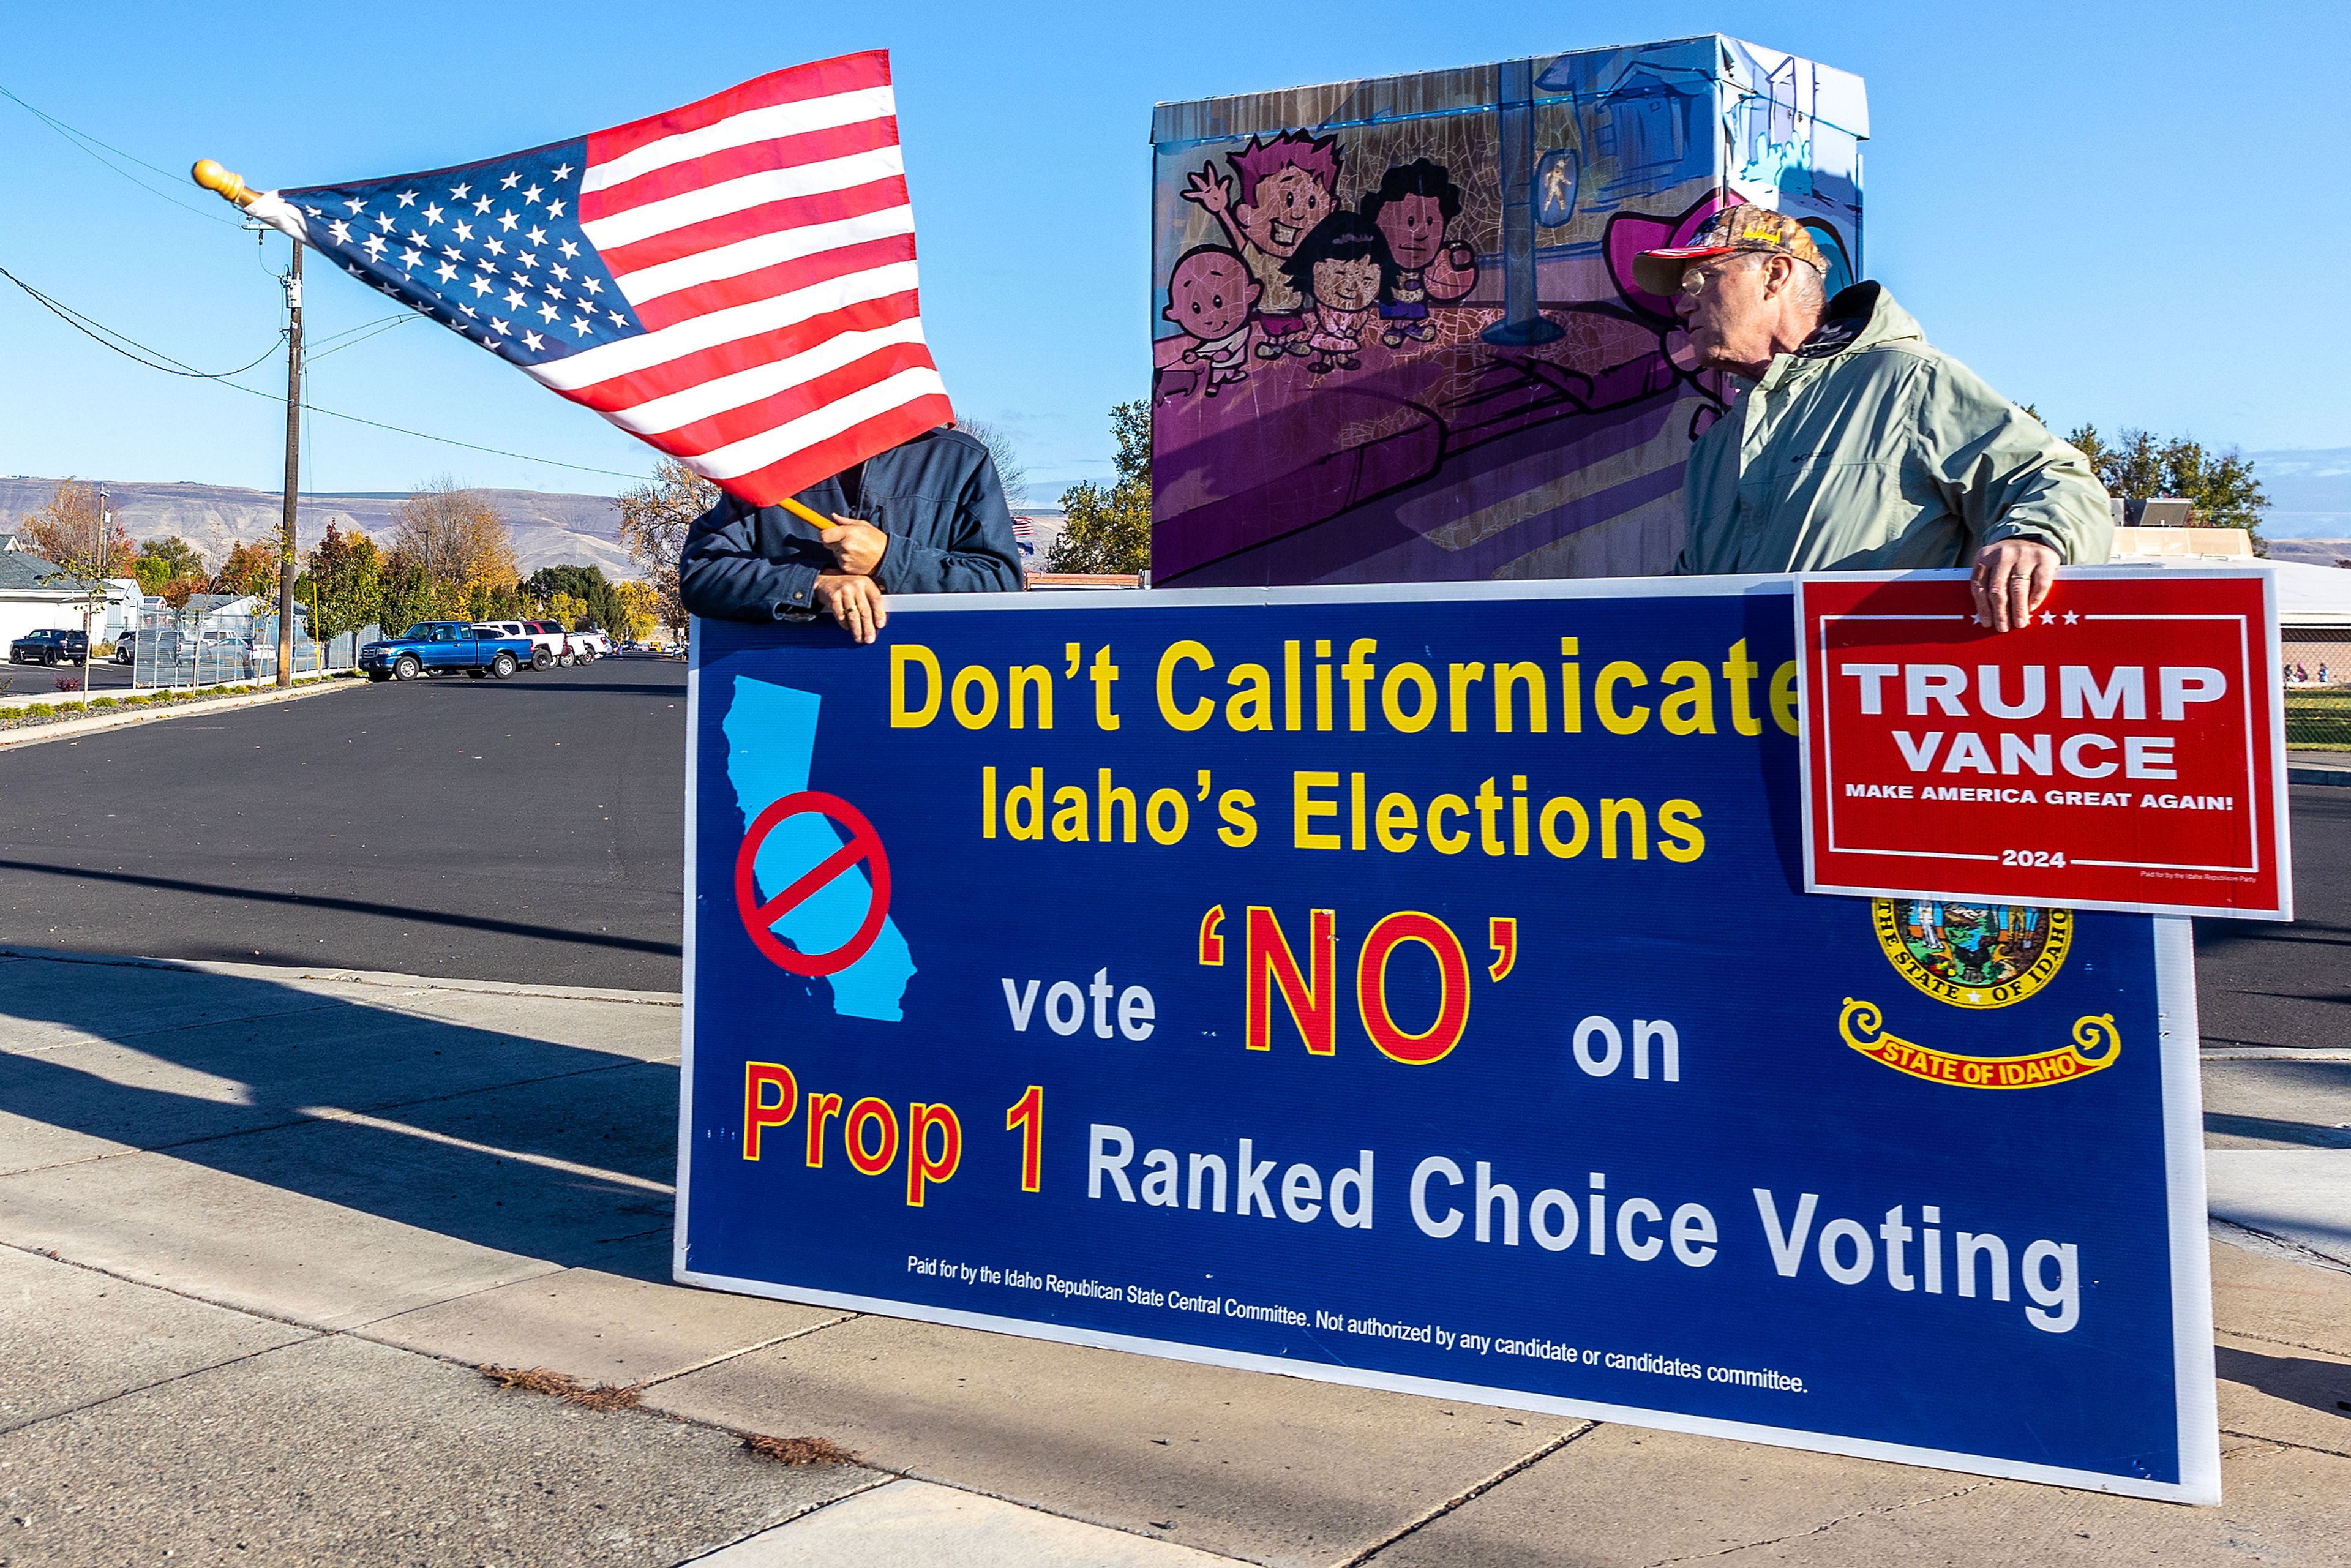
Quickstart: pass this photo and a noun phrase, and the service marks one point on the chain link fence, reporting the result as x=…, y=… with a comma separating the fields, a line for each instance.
x=208, y=648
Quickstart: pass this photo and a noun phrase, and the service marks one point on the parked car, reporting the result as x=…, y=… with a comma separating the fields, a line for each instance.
x=590, y=644
x=50, y=647
x=435, y=647
x=126, y=648
x=551, y=635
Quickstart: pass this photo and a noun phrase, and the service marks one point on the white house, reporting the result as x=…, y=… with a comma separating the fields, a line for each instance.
x=34, y=597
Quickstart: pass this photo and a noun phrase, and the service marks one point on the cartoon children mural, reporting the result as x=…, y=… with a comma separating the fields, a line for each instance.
x=1286, y=188
x=1209, y=294
x=1344, y=270
x=1412, y=207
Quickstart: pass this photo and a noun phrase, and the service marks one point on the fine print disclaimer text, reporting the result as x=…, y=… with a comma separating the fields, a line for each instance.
x=1319, y=1321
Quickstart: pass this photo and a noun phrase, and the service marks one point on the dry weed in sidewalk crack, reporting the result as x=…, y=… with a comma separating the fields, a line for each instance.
x=563, y=1385
x=801, y=1450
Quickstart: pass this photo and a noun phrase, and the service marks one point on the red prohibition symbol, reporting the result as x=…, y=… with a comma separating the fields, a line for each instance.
x=759, y=919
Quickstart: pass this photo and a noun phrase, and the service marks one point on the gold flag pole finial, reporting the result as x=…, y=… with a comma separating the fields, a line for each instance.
x=231, y=187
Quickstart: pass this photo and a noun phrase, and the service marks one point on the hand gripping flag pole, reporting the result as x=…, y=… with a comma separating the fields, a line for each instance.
x=732, y=282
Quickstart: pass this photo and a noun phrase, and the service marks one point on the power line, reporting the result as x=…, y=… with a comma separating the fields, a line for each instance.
x=89, y=327
x=380, y=329
x=83, y=142
x=100, y=333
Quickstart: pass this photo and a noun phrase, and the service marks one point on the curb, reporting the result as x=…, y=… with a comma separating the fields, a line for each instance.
x=335, y=974
x=97, y=724
x=2317, y=775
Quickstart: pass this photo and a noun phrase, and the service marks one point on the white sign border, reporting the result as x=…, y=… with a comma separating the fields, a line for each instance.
x=2195, y=1395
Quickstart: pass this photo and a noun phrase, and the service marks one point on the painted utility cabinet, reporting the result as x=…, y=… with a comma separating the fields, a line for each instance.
x=1395, y=336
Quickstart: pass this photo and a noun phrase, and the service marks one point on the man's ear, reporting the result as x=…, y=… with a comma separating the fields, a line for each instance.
x=1255, y=289
x=1168, y=314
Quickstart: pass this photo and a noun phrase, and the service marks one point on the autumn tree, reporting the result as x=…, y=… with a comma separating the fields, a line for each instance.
x=572, y=594
x=249, y=568
x=342, y=581
x=641, y=607
x=654, y=518
x=456, y=538
x=67, y=531
x=162, y=562
x=1110, y=530
x=2219, y=486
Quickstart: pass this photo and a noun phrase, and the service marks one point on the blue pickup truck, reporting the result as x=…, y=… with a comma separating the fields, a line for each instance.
x=436, y=647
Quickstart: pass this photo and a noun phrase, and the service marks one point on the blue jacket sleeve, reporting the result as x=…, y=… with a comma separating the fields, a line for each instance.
x=979, y=557
x=723, y=573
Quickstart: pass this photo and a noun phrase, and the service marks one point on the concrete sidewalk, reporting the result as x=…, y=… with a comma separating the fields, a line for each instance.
x=261, y=1227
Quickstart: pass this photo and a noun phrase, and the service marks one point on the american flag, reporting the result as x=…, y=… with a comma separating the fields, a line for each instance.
x=732, y=281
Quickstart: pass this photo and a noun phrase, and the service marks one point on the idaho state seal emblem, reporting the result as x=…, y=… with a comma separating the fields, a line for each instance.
x=1973, y=955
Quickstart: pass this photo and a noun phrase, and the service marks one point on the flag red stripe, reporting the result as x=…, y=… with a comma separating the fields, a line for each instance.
x=824, y=207
x=822, y=78
x=740, y=424
x=766, y=486
x=767, y=282
x=734, y=162
x=692, y=370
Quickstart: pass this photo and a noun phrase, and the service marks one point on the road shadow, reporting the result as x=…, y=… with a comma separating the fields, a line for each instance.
x=409, y=913
x=545, y=1149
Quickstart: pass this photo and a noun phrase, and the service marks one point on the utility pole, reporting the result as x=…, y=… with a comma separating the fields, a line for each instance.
x=293, y=466
x=231, y=188
x=97, y=591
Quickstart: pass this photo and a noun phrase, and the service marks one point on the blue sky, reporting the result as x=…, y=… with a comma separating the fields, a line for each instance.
x=2071, y=197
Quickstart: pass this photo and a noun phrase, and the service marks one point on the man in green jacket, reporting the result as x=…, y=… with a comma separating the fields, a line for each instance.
x=1858, y=446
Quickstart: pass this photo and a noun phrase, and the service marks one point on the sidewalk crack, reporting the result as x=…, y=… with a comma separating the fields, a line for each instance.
x=1468, y=1494
x=2283, y=1443
x=725, y=1357
x=1824, y=1526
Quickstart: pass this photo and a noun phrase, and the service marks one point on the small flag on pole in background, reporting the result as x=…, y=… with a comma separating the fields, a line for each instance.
x=732, y=281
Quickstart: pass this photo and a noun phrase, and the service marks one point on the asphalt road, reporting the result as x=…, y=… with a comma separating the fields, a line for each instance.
x=519, y=830
x=531, y=829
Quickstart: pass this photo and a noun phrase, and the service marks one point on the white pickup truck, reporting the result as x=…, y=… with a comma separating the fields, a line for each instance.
x=589, y=644
x=548, y=645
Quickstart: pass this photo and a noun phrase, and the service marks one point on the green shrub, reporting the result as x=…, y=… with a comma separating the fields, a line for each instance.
x=39, y=710
x=103, y=702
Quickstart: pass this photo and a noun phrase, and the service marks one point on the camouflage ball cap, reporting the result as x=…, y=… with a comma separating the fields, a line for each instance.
x=1733, y=229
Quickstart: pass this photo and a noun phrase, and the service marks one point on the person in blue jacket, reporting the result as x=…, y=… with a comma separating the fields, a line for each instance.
x=927, y=516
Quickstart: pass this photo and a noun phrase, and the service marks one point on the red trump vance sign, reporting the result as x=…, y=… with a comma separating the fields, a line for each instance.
x=2124, y=751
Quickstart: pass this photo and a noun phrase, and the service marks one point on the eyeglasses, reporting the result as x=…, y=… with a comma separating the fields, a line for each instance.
x=1696, y=278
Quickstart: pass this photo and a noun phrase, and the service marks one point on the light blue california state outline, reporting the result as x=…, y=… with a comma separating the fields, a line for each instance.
x=770, y=746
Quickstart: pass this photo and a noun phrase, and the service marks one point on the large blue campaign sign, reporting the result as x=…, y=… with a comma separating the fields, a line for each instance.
x=1414, y=988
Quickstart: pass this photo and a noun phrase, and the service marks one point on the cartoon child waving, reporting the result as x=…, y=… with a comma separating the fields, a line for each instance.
x=1286, y=188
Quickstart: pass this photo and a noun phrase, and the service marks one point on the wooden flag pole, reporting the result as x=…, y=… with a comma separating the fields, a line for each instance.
x=807, y=514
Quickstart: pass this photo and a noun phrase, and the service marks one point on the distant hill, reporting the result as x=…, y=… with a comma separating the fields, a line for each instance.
x=2311, y=552
x=2309, y=492
x=549, y=530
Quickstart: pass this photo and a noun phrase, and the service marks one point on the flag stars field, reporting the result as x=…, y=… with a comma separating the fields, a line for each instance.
x=732, y=281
